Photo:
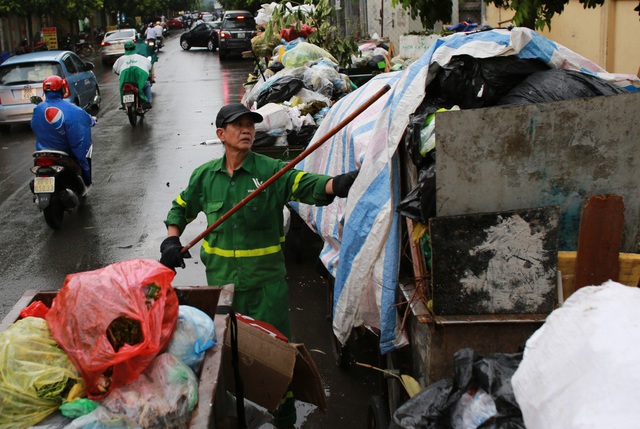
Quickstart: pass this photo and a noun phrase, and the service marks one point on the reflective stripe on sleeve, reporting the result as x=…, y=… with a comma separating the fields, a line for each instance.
x=296, y=182
x=182, y=203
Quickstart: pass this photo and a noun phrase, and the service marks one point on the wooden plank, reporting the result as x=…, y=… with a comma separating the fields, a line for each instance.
x=421, y=293
x=629, y=270
x=495, y=263
x=599, y=240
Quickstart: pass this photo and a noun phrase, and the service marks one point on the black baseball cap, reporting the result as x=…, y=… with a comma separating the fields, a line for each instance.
x=231, y=112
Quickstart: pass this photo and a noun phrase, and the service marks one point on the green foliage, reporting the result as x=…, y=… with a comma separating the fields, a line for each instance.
x=73, y=9
x=534, y=14
x=322, y=17
x=428, y=11
x=537, y=14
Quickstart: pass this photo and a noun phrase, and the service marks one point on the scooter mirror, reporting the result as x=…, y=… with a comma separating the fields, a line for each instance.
x=35, y=99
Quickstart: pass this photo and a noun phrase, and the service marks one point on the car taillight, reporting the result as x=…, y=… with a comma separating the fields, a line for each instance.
x=224, y=34
x=105, y=44
x=240, y=18
x=44, y=161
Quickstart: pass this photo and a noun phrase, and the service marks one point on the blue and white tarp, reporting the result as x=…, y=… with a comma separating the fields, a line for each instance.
x=362, y=233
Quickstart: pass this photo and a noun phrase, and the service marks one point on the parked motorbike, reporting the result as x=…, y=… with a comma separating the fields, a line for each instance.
x=83, y=47
x=132, y=104
x=58, y=185
x=25, y=48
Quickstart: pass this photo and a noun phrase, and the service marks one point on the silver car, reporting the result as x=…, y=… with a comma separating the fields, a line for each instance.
x=21, y=77
x=112, y=46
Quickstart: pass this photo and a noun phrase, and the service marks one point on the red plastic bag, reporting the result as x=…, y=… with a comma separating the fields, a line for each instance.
x=291, y=33
x=138, y=291
x=35, y=309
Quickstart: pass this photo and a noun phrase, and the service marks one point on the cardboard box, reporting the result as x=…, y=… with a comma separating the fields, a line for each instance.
x=268, y=367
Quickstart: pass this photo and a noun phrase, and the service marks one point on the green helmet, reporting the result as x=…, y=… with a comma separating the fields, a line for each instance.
x=129, y=45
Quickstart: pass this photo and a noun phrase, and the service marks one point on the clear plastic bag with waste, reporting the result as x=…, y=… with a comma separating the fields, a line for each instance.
x=195, y=333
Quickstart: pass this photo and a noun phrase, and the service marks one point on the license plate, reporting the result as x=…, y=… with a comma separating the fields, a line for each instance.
x=240, y=35
x=44, y=185
x=27, y=93
x=128, y=98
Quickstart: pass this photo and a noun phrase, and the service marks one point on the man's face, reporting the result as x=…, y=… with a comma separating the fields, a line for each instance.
x=238, y=134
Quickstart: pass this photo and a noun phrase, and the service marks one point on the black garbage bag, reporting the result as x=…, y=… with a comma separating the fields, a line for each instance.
x=303, y=136
x=472, y=83
x=492, y=374
x=279, y=91
x=557, y=85
x=427, y=409
x=377, y=62
x=411, y=136
x=420, y=203
x=438, y=406
x=263, y=139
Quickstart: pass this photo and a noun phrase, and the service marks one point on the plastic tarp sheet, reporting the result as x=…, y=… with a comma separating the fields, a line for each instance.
x=362, y=233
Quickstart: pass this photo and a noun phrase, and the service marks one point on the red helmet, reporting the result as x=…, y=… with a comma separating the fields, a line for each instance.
x=53, y=83
x=56, y=83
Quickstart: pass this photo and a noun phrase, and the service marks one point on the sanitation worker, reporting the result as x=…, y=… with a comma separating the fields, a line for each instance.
x=246, y=249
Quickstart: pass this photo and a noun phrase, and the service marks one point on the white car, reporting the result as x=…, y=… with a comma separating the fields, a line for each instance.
x=207, y=17
x=112, y=46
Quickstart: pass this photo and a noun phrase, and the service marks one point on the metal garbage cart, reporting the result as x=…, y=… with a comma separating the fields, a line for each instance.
x=211, y=408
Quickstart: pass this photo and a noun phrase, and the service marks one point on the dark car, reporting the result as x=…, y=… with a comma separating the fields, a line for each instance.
x=21, y=77
x=202, y=35
x=238, y=28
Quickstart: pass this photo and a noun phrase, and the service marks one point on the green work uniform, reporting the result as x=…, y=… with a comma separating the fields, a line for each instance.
x=246, y=249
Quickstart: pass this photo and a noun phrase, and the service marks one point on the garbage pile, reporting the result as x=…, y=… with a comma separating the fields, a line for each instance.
x=115, y=349
x=577, y=371
x=295, y=86
x=487, y=68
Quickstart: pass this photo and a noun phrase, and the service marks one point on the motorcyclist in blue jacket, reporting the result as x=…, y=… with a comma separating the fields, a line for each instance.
x=59, y=124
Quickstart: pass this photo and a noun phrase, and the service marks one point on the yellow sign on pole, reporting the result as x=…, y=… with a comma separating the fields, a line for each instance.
x=50, y=36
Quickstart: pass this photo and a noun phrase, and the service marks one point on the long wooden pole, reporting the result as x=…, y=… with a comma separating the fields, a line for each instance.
x=289, y=166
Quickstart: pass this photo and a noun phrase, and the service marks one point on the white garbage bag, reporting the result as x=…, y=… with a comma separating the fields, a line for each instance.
x=580, y=369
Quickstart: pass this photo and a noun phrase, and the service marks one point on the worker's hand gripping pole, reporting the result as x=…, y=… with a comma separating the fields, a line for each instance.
x=289, y=166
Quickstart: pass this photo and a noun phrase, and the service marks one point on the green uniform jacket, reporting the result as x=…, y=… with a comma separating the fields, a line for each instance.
x=246, y=249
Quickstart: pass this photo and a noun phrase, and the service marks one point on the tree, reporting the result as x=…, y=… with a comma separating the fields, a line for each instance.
x=534, y=14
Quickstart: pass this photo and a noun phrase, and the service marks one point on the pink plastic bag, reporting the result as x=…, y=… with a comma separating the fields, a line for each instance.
x=137, y=290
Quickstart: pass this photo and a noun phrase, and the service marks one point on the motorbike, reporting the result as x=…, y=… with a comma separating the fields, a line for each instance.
x=58, y=185
x=25, y=48
x=84, y=48
x=152, y=45
x=132, y=104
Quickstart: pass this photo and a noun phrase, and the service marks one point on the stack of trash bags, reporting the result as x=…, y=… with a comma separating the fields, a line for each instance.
x=114, y=350
x=578, y=370
x=300, y=81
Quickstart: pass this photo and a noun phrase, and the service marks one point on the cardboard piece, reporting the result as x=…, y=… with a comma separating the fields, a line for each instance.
x=268, y=368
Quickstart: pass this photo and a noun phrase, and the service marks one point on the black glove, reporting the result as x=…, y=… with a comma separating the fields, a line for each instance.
x=342, y=183
x=171, y=256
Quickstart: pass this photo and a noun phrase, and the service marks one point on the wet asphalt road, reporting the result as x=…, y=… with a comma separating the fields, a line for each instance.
x=137, y=173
